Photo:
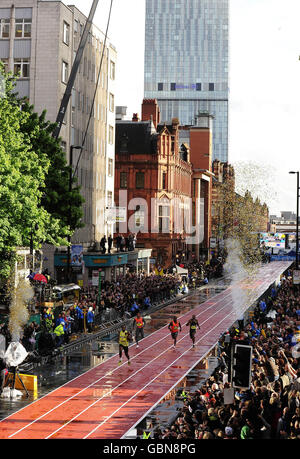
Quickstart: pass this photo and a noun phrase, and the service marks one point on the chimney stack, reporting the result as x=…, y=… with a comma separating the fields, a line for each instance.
x=135, y=117
x=151, y=111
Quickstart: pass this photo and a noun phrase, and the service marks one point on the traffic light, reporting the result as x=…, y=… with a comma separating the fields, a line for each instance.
x=241, y=366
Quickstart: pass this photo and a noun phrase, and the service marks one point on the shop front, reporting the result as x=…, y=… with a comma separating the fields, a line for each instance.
x=96, y=267
x=109, y=266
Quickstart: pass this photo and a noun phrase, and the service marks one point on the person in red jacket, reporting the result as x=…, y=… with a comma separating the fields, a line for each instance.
x=174, y=326
x=138, y=325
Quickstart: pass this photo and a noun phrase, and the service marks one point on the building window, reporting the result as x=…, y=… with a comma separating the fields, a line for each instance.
x=164, y=181
x=109, y=199
x=139, y=217
x=65, y=72
x=75, y=26
x=111, y=135
x=21, y=68
x=66, y=34
x=89, y=76
x=160, y=87
x=140, y=180
x=123, y=179
x=173, y=86
x=4, y=28
x=23, y=28
x=111, y=102
x=85, y=66
x=112, y=70
x=5, y=64
x=198, y=86
x=73, y=117
x=64, y=146
x=211, y=86
x=110, y=167
x=164, y=219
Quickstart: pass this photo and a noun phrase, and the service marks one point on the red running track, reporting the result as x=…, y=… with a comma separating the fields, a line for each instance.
x=108, y=400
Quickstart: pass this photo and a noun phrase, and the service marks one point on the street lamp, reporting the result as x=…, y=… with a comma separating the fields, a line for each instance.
x=297, y=221
x=72, y=147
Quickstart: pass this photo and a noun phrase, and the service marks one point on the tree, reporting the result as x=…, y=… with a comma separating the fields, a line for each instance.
x=23, y=173
x=239, y=218
x=56, y=197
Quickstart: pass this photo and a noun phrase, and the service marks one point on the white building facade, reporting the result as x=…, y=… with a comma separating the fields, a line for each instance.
x=38, y=41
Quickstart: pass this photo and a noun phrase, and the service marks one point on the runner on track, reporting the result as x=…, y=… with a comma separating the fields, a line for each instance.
x=139, y=323
x=124, y=337
x=173, y=326
x=193, y=324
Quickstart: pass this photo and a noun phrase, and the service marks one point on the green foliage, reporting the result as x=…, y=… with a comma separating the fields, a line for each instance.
x=34, y=179
x=56, y=197
x=239, y=219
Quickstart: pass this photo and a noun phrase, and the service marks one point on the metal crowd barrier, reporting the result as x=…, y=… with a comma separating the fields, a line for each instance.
x=105, y=329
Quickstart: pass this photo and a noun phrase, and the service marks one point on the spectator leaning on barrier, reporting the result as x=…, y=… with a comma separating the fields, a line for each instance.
x=90, y=319
x=59, y=334
x=270, y=409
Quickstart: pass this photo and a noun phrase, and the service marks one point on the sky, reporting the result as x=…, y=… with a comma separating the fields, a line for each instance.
x=264, y=97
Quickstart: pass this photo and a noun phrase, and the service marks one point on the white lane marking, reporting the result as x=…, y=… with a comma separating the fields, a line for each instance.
x=131, y=376
x=150, y=382
x=111, y=371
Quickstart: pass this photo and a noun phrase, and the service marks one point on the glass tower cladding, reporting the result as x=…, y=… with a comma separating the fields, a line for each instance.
x=186, y=62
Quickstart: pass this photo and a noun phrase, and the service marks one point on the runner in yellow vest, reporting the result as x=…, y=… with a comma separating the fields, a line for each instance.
x=193, y=324
x=124, y=337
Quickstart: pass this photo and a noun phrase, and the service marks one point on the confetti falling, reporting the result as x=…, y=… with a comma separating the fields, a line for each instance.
x=18, y=312
x=242, y=213
x=257, y=179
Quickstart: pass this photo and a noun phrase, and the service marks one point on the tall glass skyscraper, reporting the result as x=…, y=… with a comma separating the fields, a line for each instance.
x=186, y=62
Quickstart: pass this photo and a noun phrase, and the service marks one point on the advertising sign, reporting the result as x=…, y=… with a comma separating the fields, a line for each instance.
x=296, y=276
x=76, y=255
x=95, y=277
x=116, y=214
x=275, y=240
x=213, y=242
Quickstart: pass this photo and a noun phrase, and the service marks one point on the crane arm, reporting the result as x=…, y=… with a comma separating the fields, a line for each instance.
x=75, y=67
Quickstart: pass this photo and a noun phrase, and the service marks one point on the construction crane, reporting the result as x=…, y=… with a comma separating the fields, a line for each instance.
x=75, y=67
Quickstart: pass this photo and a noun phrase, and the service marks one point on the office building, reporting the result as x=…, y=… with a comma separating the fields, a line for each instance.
x=186, y=63
x=38, y=41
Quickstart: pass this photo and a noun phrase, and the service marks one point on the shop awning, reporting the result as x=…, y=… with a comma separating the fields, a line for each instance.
x=180, y=270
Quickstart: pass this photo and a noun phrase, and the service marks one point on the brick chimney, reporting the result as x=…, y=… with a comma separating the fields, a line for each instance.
x=150, y=110
x=135, y=117
x=201, y=142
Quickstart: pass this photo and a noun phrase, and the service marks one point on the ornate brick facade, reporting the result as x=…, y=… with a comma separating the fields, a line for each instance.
x=152, y=170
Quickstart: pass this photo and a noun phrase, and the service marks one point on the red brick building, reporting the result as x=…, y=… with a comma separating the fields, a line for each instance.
x=153, y=178
x=201, y=159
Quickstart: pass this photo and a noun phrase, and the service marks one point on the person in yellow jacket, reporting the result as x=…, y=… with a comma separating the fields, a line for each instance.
x=193, y=324
x=59, y=334
x=124, y=337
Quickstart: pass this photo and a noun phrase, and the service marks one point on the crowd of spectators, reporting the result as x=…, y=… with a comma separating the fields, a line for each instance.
x=270, y=409
x=133, y=291
x=200, y=272
x=122, y=297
